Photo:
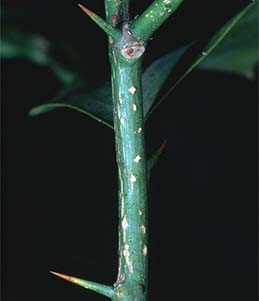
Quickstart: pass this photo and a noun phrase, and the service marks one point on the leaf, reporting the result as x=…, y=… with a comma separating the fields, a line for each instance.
x=33, y=47
x=92, y=101
x=198, y=57
x=98, y=103
x=156, y=74
x=238, y=52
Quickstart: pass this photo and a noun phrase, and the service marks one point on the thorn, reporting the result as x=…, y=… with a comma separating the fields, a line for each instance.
x=108, y=29
x=162, y=147
x=105, y=290
x=156, y=155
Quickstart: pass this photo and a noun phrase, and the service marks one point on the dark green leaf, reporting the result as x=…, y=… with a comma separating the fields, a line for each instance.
x=94, y=102
x=156, y=74
x=98, y=103
x=238, y=52
x=201, y=55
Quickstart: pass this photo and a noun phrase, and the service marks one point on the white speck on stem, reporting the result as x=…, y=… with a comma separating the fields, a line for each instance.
x=126, y=254
x=122, y=121
x=137, y=159
x=139, y=130
x=204, y=53
x=124, y=227
x=143, y=229
x=122, y=204
x=120, y=98
x=145, y=250
x=114, y=57
x=124, y=223
x=140, y=212
x=132, y=90
x=134, y=107
x=167, y=1
x=133, y=179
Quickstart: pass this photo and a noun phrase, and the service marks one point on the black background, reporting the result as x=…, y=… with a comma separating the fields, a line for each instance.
x=59, y=187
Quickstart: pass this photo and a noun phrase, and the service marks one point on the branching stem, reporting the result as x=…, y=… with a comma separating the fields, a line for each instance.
x=127, y=44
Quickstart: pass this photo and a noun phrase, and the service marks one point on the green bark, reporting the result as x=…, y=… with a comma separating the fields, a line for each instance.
x=131, y=160
x=153, y=17
x=126, y=59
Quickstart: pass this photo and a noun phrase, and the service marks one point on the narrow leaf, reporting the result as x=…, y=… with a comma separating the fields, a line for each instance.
x=238, y=52
x=98, y=103
x=104, y=290
x=156, y=74
x=94, y=102
x=200, y=56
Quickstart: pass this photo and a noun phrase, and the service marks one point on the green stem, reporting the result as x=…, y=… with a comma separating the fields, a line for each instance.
x=126, y=49
x=131, y=159
x=126, y=59
x=153, y=17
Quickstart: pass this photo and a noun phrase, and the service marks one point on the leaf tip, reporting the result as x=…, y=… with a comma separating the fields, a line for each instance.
x=38, y=110
x=33, y=112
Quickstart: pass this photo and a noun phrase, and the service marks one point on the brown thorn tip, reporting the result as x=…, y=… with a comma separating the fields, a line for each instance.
x=163, y=145
x=86, y=10
x=65, y=277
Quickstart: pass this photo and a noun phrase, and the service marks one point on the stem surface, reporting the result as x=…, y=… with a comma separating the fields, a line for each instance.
x=153, y=17
x=131, y=160
x=126, y=59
